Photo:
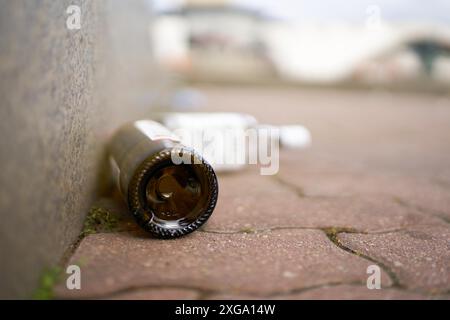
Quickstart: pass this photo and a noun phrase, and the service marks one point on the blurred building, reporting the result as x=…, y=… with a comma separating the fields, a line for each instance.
x=211, y=39
x=214, y=39
x=346, y=52
x=417, y=54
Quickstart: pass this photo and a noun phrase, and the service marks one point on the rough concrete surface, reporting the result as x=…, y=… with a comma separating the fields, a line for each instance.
x=62, y=93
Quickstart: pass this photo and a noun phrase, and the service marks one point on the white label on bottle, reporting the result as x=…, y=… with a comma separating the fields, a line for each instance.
x=200, y=120
x=155, y=130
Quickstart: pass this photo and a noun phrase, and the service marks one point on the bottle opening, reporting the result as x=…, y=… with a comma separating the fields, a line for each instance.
x=176, y=195
x=170, y=200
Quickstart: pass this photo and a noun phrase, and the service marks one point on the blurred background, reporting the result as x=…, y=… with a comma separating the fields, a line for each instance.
x=384, y=43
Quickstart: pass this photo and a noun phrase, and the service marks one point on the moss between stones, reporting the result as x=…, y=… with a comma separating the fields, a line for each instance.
x=247, y=230
x=100, y=220
x=332, y=234
x=48, y=280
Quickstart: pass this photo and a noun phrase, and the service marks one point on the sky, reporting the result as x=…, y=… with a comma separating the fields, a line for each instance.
x=355, y=11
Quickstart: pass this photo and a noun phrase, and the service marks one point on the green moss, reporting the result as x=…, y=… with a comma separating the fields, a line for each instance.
x=48, y=280
x=399, y=201
x=100, y=220
x=335, y=230
x=247, y=230
x=332, y=232
x=82, y=261
x=97, y=220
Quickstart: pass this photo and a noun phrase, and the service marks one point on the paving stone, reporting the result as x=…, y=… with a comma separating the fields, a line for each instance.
x=250, y=212
x=250, y=181
x=429, y=196
x=156, y=294
x=337, y=292
x=265, y=263
x=381, y=130
x=419, y=256
x=262, y=209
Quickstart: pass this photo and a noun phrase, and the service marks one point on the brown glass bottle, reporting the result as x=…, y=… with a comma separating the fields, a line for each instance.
x=167, y=198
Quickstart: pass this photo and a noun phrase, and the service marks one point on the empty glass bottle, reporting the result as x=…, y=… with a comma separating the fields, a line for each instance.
x=170, y=189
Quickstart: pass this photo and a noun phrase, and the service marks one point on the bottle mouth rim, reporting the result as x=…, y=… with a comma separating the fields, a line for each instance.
x=147, y=218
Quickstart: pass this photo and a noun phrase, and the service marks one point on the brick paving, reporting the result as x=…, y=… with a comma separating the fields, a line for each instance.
x=373, y=189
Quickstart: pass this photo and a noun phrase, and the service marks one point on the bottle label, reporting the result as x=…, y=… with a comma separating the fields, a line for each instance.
x=155, y=130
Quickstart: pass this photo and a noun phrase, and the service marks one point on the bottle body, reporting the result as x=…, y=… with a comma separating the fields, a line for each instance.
x=167, y=197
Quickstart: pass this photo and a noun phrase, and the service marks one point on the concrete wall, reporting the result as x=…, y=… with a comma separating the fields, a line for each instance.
x=61, y=94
